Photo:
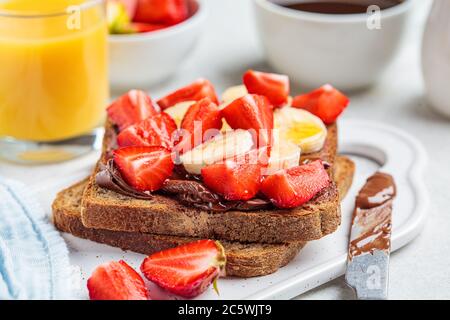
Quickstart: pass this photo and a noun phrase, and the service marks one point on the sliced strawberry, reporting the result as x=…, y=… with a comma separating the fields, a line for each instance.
x=195, y=91
x=251, y=112
x=157, y=130
x=295, y=186
x=201, y=122
x=144, y=168
x=140, y=27
x=187, y=270
x=326, y=102
x=131, y=108
x=116, y=281
x=161, y=11
x=274, y=86
x=238, y=178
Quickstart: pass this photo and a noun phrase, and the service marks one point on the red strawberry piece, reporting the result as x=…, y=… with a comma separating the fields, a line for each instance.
x=116, y=281
x=144, y=168
x=251, y=112
x=157, y=130
x=238, y=178
x=131, y=108
x=186, y=270
x=140, y=27
x=274, y=86
x=326, y=102
x=295, y=186
x=161, y=11
x=201, y=122
x=195, y=91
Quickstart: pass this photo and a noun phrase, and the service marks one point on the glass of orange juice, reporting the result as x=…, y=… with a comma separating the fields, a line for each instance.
x=53, y=78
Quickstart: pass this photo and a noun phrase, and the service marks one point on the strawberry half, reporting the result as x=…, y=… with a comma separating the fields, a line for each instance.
x=202, y=117
x=238, y=178
x=131, y=108
x=156, y=130
x=140, y=27
x=144, y=168
x=251, y=112
x=161, y=11
x=186, y=270
x=195, y=91
x=116, y=281
x=295, y=186
x=274, y=86
x=326, y=102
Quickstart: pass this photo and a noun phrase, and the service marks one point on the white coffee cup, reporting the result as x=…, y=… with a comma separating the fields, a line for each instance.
x=349, y=51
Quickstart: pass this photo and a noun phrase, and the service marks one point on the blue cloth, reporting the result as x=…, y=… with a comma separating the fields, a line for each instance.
x=34, y=260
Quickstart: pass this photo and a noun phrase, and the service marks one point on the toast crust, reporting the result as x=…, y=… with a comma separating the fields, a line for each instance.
x=105, y=209
x=243, y=260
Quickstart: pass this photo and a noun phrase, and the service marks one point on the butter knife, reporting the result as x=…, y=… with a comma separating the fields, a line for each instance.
x=370, y=238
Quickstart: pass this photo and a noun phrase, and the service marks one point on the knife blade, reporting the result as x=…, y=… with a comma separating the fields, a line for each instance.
x=370, y=238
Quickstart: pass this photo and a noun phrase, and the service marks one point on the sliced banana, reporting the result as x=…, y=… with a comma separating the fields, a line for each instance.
x=233, y=93
x=283, y=155
x=223, y=146
x=301, y=128
x=178, y=111
x=225, y=126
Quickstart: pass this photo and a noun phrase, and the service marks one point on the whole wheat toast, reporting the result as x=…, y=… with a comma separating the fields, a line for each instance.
x=244, y=260
x=105, y=209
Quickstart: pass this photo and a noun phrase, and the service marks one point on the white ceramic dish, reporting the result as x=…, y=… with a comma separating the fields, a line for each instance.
x=143, y=60
x=371, y=145
x=340, y=49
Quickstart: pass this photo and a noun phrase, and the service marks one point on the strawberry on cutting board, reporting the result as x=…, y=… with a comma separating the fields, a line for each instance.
x=199, y=89
x=326, y=102
x=161, y=11
x=157, y=130
x=144, y=168
x=251, y=112
x=274, y=86
x=186, y=270
x=201, y=118
x=295, y=186
x=116, y=281
x=131, y=108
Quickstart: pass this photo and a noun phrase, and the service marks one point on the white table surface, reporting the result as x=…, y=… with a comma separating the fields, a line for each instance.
x=229, y=46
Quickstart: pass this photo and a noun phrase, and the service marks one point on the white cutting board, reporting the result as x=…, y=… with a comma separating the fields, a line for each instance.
x=372, y=146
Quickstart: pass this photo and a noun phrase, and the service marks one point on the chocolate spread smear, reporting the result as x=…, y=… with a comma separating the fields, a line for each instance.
x=110, y=178
x=373, y=215
x=188, y=192
x=378, y=189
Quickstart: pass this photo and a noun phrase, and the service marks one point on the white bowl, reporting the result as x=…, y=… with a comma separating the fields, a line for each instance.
x=143, y=60
x=314, y=49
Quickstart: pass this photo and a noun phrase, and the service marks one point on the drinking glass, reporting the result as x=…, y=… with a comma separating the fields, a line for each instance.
x=53, y=78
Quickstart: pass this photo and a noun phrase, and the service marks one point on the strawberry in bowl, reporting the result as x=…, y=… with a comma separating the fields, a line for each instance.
x=144, y=31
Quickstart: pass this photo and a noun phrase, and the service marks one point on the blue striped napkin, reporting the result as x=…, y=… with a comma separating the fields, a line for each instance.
x=34, y=260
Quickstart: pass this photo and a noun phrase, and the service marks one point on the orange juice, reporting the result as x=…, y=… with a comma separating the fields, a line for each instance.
x=53, y=68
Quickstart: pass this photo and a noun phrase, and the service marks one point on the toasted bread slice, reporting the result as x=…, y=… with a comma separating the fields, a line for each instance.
x=105, y=209
x=244, y=260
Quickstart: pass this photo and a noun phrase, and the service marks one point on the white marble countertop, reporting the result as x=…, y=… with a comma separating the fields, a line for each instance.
x=229, y=46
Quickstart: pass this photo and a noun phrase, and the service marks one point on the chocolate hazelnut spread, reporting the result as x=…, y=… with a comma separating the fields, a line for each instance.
x=372, y=216
x=378, y=189
x=110, y=178
x=188, y=192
